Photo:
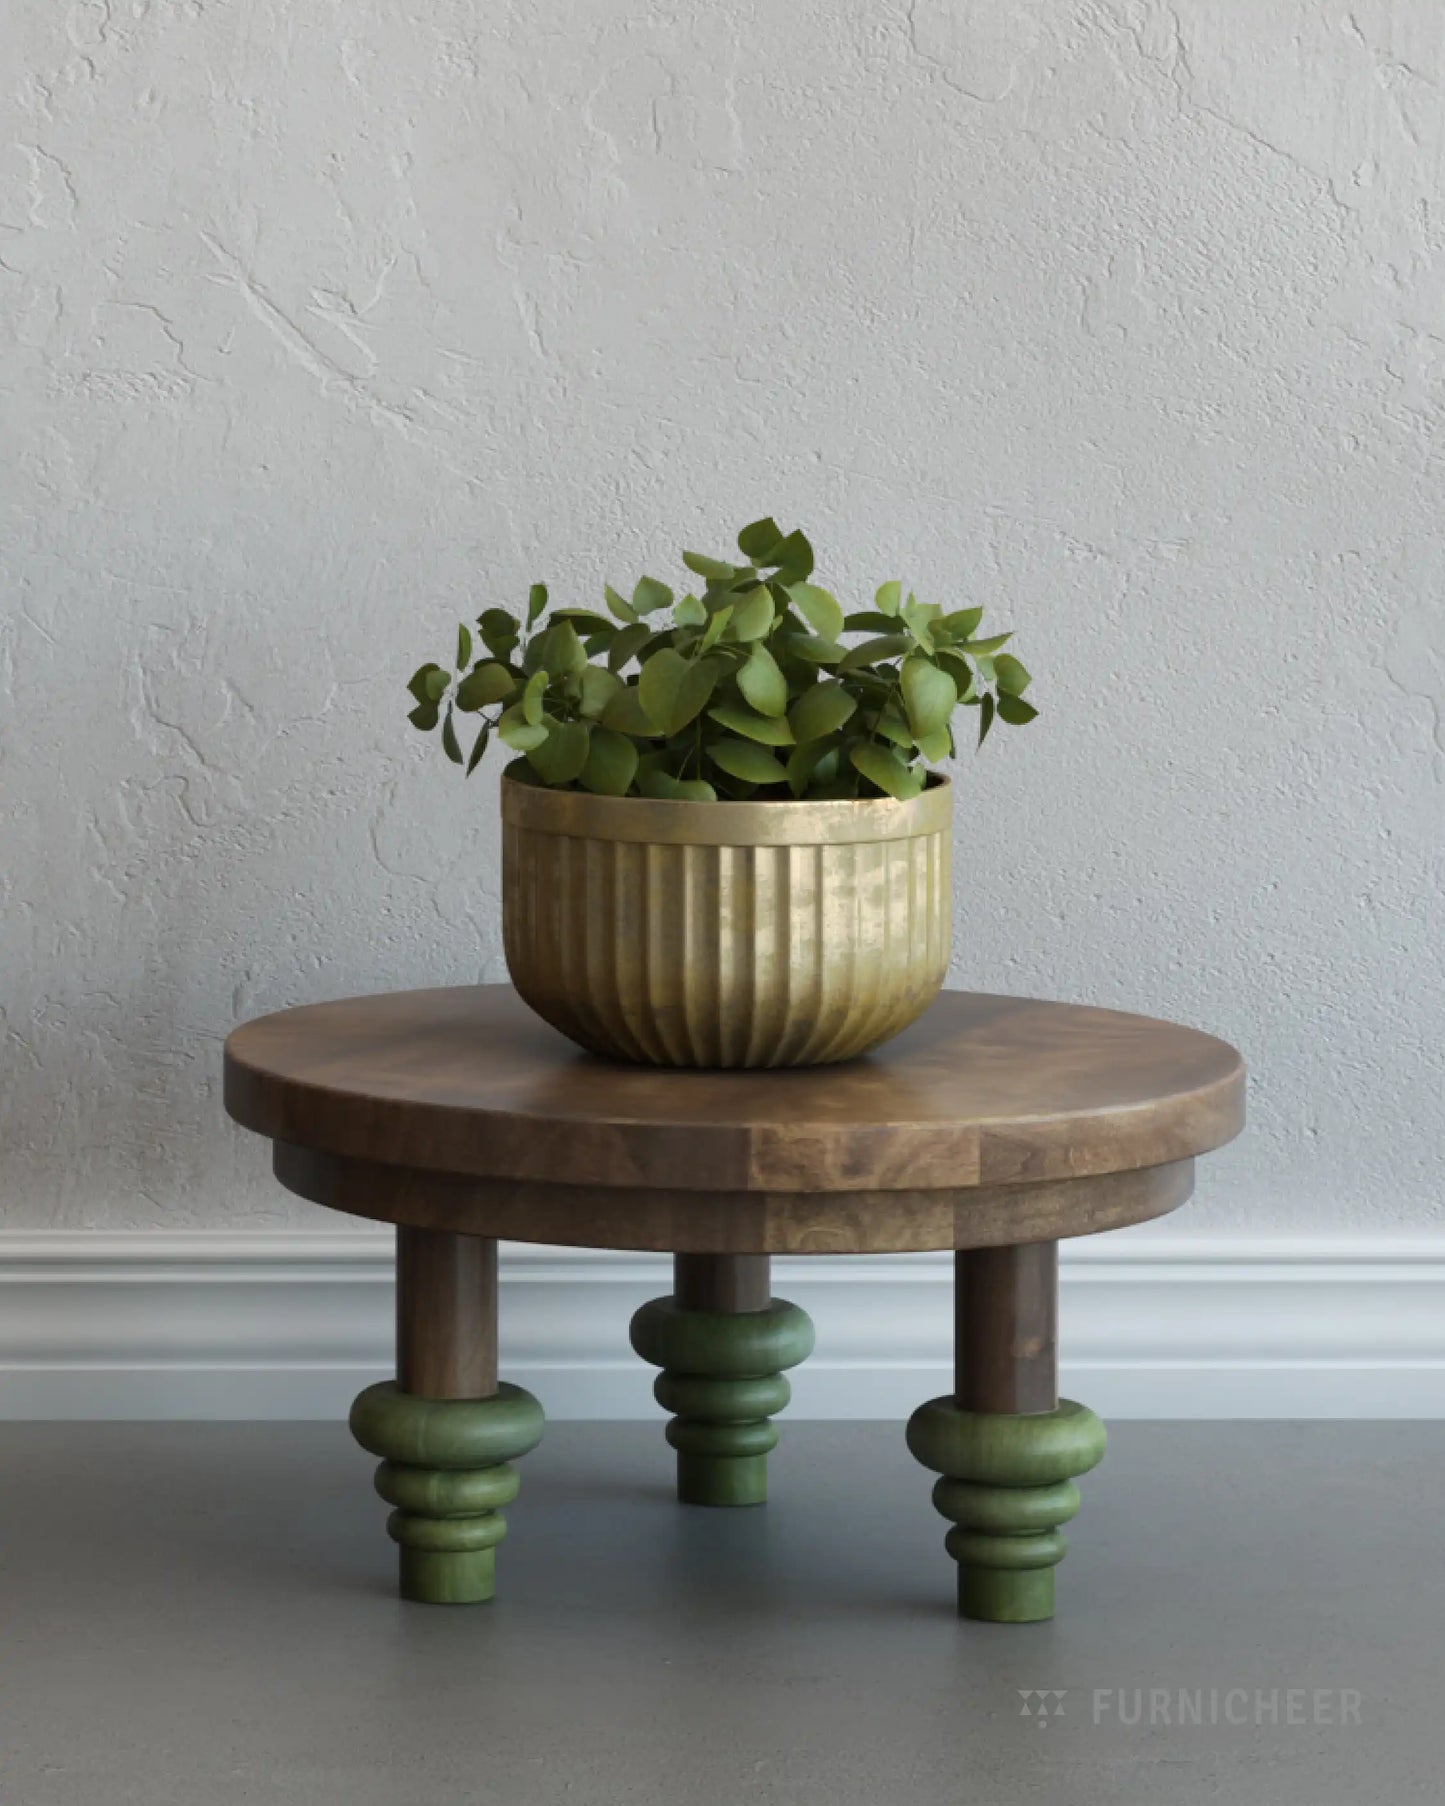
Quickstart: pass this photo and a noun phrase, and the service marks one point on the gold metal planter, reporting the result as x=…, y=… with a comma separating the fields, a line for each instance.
x=726, y=934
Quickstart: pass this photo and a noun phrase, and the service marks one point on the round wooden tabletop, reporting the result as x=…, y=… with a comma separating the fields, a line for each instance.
x=991, y=1120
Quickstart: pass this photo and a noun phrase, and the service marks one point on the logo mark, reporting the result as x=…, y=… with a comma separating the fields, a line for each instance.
x=1041, y=1704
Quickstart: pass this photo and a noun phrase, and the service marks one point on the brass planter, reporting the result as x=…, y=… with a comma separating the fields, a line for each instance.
x=726, y=934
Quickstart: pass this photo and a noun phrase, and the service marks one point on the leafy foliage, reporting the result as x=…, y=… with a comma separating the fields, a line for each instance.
x=759, y=686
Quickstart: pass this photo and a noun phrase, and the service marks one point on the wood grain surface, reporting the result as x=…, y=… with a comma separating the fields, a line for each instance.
x=1006, y=1328
x=446, y=1314
x=722, y=1282
x=670, y=1221
x=982, y=1091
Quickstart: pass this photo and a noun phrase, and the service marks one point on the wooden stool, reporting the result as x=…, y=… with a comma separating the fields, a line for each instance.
x=995, y=1126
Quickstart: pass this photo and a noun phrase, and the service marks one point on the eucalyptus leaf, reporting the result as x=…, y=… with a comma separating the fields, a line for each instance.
x=660, y=684
x=753, y=615
x=985, y=718
x=743, y=759
x=820, y=711
x=831, y=766
x=598, y=687
x=483, y=740
x=559, y=758
x=892, y=725
x=784, y=617
x=758, y=539
x=919, y=618
x=929, y=695
x=620, y=607
x=519, y=733
x=660, y=785
x=532, y=699
x=628, y=641
x=487, y=684
x=690, y=613
x=626, y=715
x=611, y=763
x=654, y=643
x=935, y=746
x=960, y=670
x=699, y=684
x=1015, y=710
x=977, y=647
x=883, y=767
x=424, y=716
x=500, y=631
x=871, y=652
x=560, y=652
x=1012, y=676
x=449, y=739
x=745, y=576
x=794, y=558
x=673, y=690
x=436, y=683
x=650, y=595
x=585, y=620
x=419, y=682
x=768, y=729
x=812, y=648
x=464, y=646
x=716, y=628
x=869, y=620
x=762, y=683
x=818, y=608
x=709, y=567
x=663, y=787
x=887, y=598
x=805, y=760
x=536, y=603
x=958, y=625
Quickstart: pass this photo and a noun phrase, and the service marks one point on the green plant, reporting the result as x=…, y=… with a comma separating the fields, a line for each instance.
x=760, y=686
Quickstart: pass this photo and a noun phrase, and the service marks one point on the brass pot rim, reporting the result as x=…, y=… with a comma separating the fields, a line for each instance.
x=827, y=820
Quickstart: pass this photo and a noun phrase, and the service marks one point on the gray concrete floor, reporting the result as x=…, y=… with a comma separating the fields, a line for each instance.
x=195, y=1614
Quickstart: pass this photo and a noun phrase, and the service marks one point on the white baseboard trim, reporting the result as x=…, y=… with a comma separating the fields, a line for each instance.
x=202, y=1325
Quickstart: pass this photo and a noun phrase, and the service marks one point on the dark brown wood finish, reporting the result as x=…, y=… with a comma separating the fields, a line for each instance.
x=1006, y=1316
x=994, y=1127
x=670, y=1222
x=981, y=1092
x=722, y=1282
x=446, y=1314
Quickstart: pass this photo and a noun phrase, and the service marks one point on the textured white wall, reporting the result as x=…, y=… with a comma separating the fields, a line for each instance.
x=326, y=322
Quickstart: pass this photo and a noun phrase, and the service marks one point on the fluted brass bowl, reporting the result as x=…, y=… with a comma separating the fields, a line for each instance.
x=726, y=934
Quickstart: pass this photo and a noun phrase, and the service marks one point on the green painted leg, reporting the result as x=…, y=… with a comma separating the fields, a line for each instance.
x=721, y=1431
x=446, y=1470
x=723, y=1479
x=722, y=1377
x=996, y=1596
x=1007, y=1445
x=1007, y=1487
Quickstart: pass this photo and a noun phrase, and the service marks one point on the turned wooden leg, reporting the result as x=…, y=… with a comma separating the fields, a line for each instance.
x=722, y=1341
x=1008, y=1447
x=446, y=1429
